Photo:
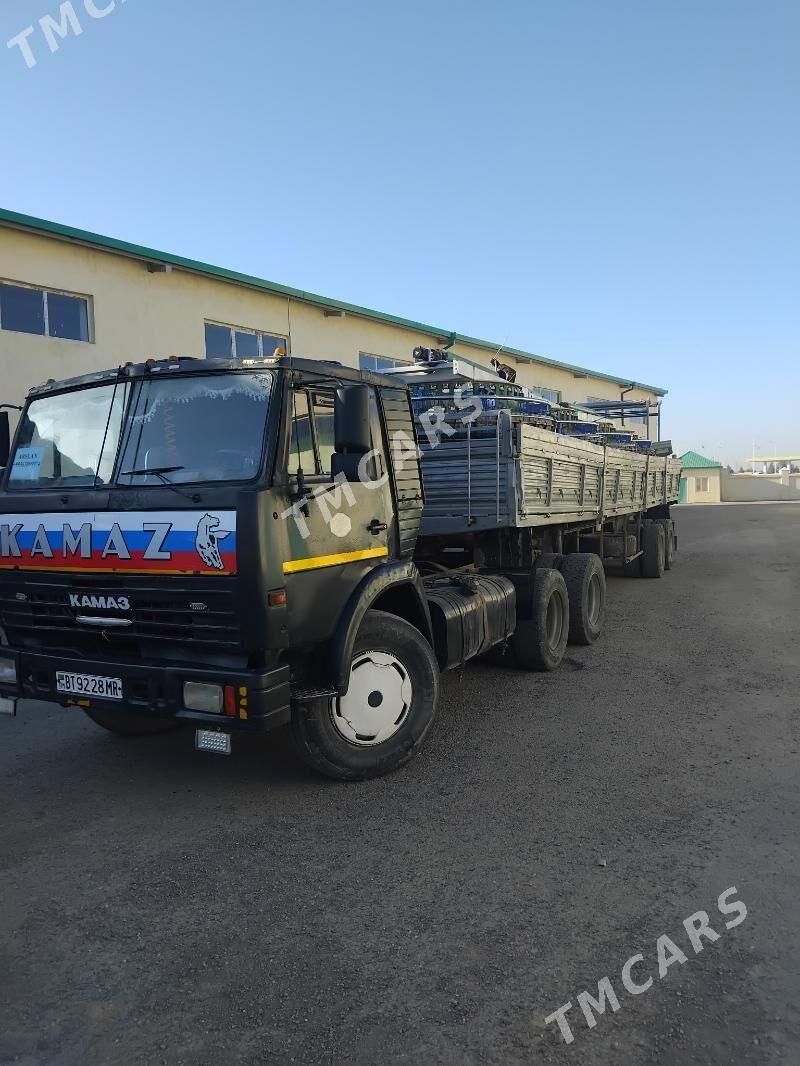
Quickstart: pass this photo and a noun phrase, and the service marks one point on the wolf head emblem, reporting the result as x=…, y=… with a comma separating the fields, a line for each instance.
x=207, y=541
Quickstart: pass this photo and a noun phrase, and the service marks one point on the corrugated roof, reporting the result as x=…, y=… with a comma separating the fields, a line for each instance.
x=111, y=244
x=695, y=461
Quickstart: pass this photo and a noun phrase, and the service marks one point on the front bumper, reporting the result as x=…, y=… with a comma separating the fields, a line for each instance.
x=262, y=696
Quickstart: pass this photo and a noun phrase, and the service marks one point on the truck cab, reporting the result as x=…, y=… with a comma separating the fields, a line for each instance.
x=187, y=541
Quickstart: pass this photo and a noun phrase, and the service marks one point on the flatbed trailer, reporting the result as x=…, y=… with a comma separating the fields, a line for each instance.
x=521, y=476
x=234, y=546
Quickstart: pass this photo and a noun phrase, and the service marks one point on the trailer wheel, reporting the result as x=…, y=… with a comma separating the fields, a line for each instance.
x=129, y=724
x=669, y=541
x=389, y=707
x=585, y=579
x=654, y=550
x=634, y=568
x=539, y=642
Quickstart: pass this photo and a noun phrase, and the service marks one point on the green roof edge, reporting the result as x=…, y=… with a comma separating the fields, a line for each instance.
x=696, y=461
x=56, y=229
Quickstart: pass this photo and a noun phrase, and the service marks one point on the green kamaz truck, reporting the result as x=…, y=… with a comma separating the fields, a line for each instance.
x=234, y=546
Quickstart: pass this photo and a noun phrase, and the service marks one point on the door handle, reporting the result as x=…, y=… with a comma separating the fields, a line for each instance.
x=375, y=527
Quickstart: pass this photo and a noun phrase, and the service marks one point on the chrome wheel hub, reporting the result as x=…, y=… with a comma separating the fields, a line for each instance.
x=378, y=699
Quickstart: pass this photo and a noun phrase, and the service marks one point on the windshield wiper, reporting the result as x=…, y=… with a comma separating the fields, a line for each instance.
x=161, y=472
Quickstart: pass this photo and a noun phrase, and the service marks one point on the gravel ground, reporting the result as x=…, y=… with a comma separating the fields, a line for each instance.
x=160, y=906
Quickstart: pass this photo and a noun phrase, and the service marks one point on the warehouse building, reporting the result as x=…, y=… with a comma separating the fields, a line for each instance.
x=73, y=301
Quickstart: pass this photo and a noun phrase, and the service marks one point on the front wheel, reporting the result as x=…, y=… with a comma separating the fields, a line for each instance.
x=383, y=719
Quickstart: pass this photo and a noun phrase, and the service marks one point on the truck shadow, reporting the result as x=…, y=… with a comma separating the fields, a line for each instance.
x=88, y=753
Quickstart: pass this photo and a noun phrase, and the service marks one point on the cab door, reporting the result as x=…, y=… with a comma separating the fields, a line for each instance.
x=344, y=530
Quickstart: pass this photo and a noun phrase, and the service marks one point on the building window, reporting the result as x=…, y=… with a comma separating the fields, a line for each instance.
x=701, y=484
x=377, y=363
x=44, y=312
x=235, y=342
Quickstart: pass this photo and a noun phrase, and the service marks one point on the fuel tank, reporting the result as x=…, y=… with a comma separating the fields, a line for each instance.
x=469, y=614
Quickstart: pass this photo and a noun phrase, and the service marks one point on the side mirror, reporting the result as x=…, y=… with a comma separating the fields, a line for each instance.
x=5, y=438
x=351, y=430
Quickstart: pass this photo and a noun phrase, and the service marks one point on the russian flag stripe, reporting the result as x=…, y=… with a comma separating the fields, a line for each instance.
x=197, y=542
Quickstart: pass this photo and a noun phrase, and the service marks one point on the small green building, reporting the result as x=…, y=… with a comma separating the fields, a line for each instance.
x=701, y=479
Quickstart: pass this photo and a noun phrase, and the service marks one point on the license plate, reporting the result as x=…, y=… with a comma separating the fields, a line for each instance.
x=109, y=688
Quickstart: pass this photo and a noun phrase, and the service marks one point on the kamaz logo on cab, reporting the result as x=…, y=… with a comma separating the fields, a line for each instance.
x=100, y=603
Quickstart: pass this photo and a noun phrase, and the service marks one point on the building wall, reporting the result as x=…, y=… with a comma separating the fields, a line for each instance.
x=712, y=494
x=137, y=314
x=746, y=488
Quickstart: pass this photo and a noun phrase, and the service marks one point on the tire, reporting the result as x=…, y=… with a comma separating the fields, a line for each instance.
x=585, y=579
x=129, y=724
x=633, y=569
x=539, y=642
x=669, y=541
x=357, y=736
x=654, y=550
x=549, y=559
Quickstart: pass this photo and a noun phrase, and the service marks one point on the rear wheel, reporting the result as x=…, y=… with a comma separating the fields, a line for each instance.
x=539, y=642
x=634, y=568
x=585, y=579
x=653, y=549
x=669, y=541
x=128, y=724
x=383, y=719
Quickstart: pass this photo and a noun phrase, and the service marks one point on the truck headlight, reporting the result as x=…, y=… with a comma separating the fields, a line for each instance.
x=8, y=671
x=198, y=696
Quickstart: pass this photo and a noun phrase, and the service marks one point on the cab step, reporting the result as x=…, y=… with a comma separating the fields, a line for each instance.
x=307, y=694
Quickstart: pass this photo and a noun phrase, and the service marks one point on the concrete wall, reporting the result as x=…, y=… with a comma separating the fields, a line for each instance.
x=137, y=314
x=745, y=488
x=712, y=494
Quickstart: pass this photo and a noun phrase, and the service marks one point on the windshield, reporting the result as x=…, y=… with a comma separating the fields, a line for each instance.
x=70, y=439
x=153, y=430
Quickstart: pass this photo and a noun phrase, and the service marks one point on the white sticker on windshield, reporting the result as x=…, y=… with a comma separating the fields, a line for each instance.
x=27, y=464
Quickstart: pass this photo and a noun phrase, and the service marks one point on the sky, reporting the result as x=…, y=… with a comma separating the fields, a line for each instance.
x=613, y=184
